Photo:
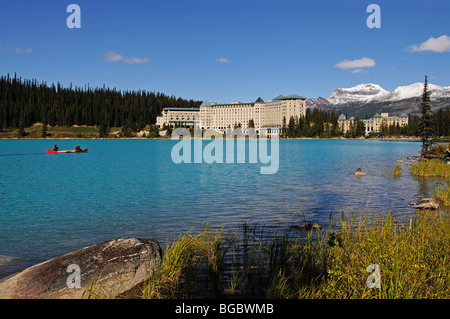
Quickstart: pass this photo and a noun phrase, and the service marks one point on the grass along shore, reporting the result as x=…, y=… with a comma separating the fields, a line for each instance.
x=396, y=171
x=413, y=258
x=431, y=168
x=443, y=194
x=435, y=168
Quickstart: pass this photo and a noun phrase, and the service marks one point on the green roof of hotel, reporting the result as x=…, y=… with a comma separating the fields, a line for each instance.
x=290, y=97
x=181, y=108
x=279, y=97
x=377, y=115
x=205, y=103
x=403, y=115
x=295, y=97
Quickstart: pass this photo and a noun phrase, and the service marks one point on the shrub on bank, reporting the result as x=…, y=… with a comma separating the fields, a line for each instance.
x=431, y=168
x=438, y=150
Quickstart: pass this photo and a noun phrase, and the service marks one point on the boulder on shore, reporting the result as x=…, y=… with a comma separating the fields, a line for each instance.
x=110, y=268
x=426, y=203
x=359, y=172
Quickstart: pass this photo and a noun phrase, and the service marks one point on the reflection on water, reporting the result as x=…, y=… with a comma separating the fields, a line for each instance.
x=57, y=203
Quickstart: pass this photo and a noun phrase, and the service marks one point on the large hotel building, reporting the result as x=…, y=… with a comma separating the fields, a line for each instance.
x=267, y=116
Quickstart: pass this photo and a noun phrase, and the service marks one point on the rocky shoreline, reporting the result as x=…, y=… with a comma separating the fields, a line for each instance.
x=109, y=269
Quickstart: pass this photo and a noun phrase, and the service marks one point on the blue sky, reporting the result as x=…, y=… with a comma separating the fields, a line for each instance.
x=227, y=50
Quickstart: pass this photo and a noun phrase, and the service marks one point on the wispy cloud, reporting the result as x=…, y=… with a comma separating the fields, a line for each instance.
x=223, y=60
x=439, y=45
x=356, y=64
x=113, y=57
x=15, y=50
x=360, y=71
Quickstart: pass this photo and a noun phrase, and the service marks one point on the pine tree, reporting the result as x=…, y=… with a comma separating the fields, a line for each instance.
x=104, y=126
x=426, y=125
x=44, y=130
x=291, y=127
x=169, y=131
x=153, y=131
x=21, y=130
x=360, y=129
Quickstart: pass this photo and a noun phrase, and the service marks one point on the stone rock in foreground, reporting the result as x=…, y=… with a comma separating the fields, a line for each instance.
x=359, y=172
x=109, y=268
x=426, y=203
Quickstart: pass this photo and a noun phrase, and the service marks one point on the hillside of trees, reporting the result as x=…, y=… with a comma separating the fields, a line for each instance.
x=24, y=102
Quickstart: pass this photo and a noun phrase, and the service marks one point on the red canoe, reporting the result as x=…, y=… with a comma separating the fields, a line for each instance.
x=84, y=150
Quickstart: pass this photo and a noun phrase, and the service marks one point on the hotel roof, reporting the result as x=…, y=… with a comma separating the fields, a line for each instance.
x=205, y=103
x=260, y=100
x=181, y=109
x=290, y=97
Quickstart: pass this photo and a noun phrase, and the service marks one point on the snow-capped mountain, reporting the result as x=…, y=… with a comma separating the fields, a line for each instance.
x=416, y=90
x=365, y=93
x=361, y=93
x=319, y=102
x=369, y=99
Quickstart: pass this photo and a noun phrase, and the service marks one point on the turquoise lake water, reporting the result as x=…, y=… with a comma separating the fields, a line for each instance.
x=52, y=204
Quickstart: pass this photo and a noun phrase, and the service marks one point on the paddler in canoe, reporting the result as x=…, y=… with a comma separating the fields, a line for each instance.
x=55, y=148
x=78, y=148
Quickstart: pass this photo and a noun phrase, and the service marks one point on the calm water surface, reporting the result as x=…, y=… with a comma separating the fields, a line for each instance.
x=57, y=203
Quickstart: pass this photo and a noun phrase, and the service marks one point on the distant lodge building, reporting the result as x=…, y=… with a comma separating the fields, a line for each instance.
x=267, y=116
x=373, y=125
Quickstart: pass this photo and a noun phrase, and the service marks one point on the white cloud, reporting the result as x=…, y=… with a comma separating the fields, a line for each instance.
x=118, y=58
x=439, y=45
x=16, y=50
x=223, y=60
x=113, y=57
x=356, y=64
x=359, y=71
